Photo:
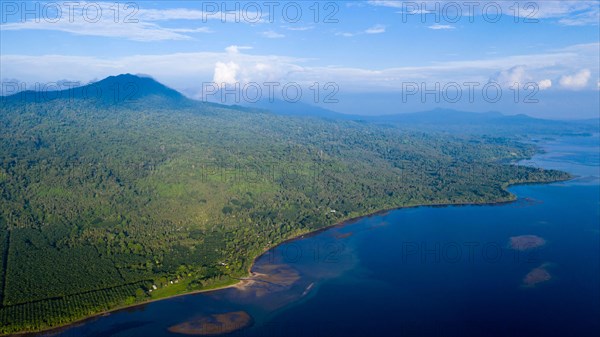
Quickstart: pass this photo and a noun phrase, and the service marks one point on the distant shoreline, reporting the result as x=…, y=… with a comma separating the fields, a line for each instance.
x=510, y=199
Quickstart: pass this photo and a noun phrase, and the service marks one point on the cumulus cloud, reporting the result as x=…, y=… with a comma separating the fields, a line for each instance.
x=522, y=76
x=544, y=84
x=576, y=81
x=508, y=77
x=235, y=49
x=226, y=73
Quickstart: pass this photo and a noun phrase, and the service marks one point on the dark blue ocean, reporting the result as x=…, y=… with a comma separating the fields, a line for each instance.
x=428, y=271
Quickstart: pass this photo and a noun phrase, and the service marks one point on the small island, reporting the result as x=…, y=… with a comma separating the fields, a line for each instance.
x=526, y=242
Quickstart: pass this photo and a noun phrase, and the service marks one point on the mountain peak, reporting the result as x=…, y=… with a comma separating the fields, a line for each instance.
x=127, y=77
x=132, y=87
x=123, y=88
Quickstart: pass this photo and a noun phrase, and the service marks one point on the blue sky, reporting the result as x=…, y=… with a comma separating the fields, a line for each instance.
x=366, y=48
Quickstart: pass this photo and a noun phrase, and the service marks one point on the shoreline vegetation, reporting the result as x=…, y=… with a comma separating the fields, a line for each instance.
x=236, y=282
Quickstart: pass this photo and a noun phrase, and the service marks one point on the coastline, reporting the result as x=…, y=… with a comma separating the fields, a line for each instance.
x=239, y=281
x=60, y=328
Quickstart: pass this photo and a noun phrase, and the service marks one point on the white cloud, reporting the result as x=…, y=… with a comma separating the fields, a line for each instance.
x=171, y=14
x=183, y=71
x=564, y=9
x=576, y=81
x=377, y=29
x=141, y=31
x=344, y=34
x=298, y=28
x=272, y=34
x=228, y=14
x=545, y=84
x=226, y=73
x=414, y=11
x=187, y=71
x=520, y=76
x=566, y=12
x=581, y=19
x=387, y=3
x=508, y=77
x=138, y=27
x=439, y=27
x=189, y=30
x=234, y=49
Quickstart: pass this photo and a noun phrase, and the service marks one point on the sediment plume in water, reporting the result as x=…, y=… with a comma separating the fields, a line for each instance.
x=215, y=324
x=526, y=242
x=537, y=275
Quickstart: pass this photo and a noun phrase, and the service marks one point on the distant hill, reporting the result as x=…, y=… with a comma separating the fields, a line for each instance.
x=131, y=89
x=299, y=108
x=443, y=120
x=437, y=115
x=492, y=122
x=446, y=120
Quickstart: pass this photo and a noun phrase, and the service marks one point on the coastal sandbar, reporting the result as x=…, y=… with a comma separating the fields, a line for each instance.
x=268, y=279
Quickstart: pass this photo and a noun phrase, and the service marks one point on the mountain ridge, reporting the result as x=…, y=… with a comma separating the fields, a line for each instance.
x=130, y=88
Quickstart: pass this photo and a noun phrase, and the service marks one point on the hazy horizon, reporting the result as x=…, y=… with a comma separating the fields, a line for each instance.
x=373, y=57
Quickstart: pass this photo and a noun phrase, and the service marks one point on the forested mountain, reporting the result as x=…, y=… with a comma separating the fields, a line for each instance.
x=105, y=196
x=125, y=88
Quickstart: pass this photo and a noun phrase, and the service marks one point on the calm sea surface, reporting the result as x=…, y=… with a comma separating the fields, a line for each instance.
x=428, y=271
